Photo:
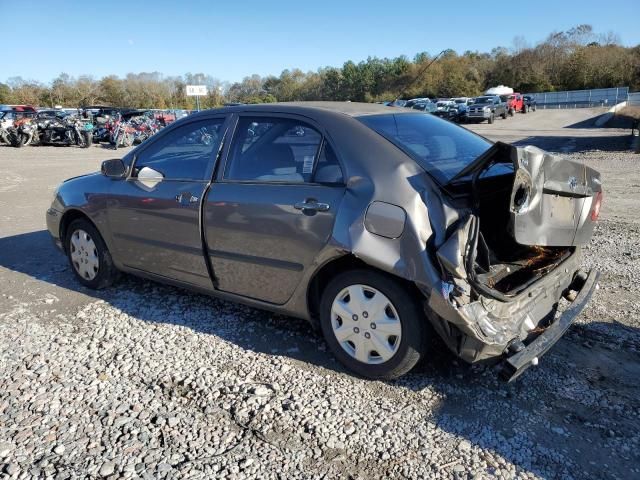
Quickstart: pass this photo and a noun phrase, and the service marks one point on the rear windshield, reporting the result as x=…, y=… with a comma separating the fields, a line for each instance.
x=440, y=147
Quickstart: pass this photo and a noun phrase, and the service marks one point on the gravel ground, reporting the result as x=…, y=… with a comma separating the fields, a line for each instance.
x=148, y=381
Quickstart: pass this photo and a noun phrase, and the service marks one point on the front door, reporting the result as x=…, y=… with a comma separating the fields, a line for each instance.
x=273, y=207
x=155, y=214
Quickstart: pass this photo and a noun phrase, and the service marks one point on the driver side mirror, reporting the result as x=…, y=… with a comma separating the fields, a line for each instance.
x=114, y=168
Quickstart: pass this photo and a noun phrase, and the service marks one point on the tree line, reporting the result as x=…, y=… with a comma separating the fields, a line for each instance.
x=574, y=59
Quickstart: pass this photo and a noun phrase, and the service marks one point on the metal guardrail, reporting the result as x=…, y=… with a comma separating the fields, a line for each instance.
x=600, y=97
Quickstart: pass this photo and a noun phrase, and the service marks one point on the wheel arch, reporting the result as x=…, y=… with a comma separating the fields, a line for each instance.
x=334, y=267
x=68, y=217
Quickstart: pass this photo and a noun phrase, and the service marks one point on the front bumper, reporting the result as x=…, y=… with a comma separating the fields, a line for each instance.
x=478, y=115
x=525, y=357
x=53, y=225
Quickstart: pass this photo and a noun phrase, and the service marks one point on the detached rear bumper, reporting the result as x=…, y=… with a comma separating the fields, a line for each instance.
x=518, y=362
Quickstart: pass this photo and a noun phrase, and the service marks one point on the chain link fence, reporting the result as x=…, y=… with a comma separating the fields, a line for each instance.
x=599, y=97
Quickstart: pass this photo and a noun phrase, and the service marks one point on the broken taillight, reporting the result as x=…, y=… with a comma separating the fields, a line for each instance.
x=595, y=211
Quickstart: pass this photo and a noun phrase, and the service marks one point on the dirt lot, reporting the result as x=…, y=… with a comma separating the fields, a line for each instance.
x=149, y=381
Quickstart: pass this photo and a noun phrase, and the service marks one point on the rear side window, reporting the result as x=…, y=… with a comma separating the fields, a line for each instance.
x=440, y=147
x=273, y=150
x=328, y=168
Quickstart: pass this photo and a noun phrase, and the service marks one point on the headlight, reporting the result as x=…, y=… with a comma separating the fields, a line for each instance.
x=486, y=109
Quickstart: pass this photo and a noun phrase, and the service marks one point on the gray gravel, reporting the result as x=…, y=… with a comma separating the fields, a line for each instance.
x=149, y=381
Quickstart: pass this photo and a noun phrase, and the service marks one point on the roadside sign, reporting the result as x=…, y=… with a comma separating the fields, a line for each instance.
x=196, y=90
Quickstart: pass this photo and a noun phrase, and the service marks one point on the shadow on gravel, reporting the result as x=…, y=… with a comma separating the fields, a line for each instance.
x=579, y=408
x=568, y=144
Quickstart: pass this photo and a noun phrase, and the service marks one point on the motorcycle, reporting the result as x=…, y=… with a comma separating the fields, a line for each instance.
x=122, y=134
x=144, y=129
x=23, y=132
x=5, y=136
x=67, y=131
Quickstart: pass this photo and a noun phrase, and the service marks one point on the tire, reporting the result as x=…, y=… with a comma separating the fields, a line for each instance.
x=405, y=349
x=504, y=115
x=19, y=140
x=104, y=273
x=491, y=119
x=88, y=139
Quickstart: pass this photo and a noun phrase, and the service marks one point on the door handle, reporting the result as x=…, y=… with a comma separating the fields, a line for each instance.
x=184, y=198
x=311, y=204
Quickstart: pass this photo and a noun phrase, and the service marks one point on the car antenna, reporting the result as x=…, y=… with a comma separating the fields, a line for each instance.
x=420, y=73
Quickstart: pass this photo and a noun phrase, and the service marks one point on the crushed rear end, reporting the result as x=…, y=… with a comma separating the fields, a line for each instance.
x=509, y=261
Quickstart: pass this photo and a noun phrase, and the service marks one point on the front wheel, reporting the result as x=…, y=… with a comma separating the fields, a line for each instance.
x=19, y=140
x=87, y=137
x=88, y=255
x=372, y=324
x=504, y=115
x=491, y=119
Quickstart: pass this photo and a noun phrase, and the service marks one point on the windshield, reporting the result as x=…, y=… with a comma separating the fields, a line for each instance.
x=440, y=147
x=483, y=100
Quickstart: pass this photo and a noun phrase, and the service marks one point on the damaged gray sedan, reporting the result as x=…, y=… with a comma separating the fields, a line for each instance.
x=379, y=225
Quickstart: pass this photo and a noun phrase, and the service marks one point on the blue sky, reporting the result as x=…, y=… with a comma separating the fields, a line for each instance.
x=230, y=40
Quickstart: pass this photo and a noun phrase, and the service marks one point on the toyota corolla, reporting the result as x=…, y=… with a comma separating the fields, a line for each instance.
x=381, y=226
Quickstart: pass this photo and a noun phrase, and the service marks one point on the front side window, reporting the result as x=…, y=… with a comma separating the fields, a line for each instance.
x=441, y=148
x=273, y=150
x=185, y=152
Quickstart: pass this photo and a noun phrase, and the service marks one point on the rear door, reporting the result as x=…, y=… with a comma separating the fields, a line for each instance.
x=554, y=201
x=273, y=206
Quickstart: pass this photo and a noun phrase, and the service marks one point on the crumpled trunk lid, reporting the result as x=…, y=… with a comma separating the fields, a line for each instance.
x=552, y=199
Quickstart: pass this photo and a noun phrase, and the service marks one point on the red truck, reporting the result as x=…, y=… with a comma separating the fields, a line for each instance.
x=514, y=101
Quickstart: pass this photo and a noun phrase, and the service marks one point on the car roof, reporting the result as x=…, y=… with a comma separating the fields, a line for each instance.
x=352, y=109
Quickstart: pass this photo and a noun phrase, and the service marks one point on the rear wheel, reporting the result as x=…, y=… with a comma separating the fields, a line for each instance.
x=372, y=324
x=88, y=255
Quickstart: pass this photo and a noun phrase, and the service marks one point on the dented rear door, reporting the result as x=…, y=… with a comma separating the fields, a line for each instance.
x=552, y=200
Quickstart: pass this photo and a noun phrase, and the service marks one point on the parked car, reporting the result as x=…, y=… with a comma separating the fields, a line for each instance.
x=529, y=103
x=397, y=103
x=443, y=104
x=23, y=108
x=425, y=107
x=487, y=108
x=382, y=227
x=462, y=100
x=414, y=101
x=514, y=103
x=51, y=113
x=448, y=112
